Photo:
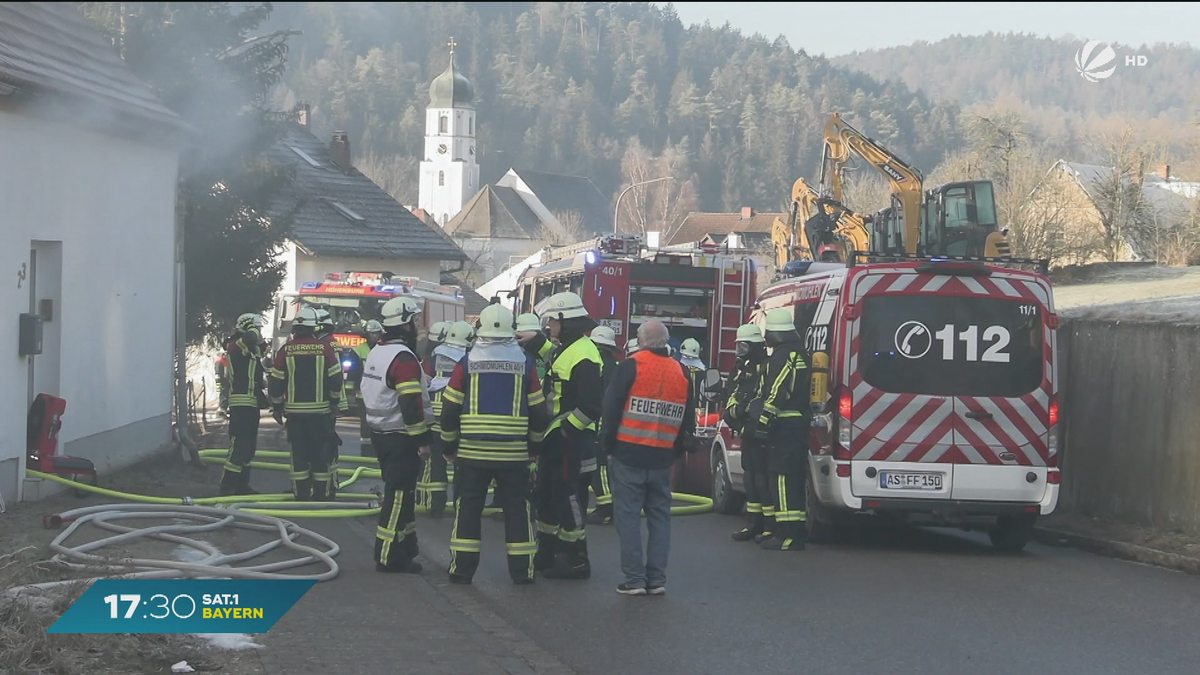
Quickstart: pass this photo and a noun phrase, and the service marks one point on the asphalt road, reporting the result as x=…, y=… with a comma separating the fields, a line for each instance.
x=920, y=602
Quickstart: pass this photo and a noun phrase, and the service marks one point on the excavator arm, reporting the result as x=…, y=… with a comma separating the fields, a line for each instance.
x=837, y=233
x=789, y=238
x=906, y=182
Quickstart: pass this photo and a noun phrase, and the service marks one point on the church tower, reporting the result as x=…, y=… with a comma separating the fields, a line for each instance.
x=449, y=172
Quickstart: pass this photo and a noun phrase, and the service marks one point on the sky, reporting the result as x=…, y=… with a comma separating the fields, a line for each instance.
x=836, y=28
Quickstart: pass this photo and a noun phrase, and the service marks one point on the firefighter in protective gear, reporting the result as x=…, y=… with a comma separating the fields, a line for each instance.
x=528, y=327
x=742, y=389
x=305, y=385
x=374, y=331
x=333, y=442
x=631, y=347
x=689, y=356
x=247, y=396
x=399, y=414
x=606, y=342
x=435, y=480
x=783, y=424
x=436, y=336
x=491, y=409
x=573, y=391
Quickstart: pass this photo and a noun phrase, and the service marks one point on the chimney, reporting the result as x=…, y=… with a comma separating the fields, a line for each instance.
x=1164, y=171
x=339, y=150
x=304, y=115
x=747, y=212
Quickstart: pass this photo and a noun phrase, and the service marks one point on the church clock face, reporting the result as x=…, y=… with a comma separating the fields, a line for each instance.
x=442, y=149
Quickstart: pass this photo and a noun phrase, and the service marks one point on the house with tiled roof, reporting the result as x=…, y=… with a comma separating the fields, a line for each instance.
x=750, y=228
x=341, y=220
x=88, y=241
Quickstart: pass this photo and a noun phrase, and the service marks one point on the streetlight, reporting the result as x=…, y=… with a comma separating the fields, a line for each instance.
x=617, y=208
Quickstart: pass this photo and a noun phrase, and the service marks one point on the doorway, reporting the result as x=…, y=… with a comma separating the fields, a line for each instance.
x=45, y=299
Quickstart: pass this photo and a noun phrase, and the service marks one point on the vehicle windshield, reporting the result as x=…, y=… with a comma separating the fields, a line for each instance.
x=951, y=345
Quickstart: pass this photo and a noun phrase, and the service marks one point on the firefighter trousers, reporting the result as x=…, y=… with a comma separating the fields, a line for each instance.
x=787, y=454
x=396, y=532
x=760, y=501
x=366, y=448
x=243, y=443
x=603, y=492
x=332, y=451
x=512, y=495
x=434, y=478
x=308, y=434
x=560, y=519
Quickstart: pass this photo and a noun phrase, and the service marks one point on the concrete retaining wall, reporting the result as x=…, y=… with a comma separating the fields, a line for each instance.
x=1130, y=401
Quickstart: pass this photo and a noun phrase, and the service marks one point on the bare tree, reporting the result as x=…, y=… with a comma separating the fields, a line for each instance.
x=659, y=206
x=1118, y=196
x=398, y=176
x=866, y=193
x=568, y=230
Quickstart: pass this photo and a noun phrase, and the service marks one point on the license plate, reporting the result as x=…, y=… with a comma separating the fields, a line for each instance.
x=895, y=480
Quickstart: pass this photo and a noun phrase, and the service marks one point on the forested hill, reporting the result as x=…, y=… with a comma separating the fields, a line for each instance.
x=1041, y=73
x=564, y=87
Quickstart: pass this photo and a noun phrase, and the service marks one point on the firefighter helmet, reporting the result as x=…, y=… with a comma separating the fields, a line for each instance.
x=496, y=321
x=565, y=305
x=749, y=333
x=603, y=335
x=459, y=334
x=305, y=318
x=690, y=348
x=437, y=332
x=248, y=322
x=780, y=320
x=373, y=326
x=528, y=322
x=323, y=317
x=400, y=311
x=631, y=346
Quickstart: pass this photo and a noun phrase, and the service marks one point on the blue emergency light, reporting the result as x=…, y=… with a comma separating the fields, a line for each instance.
x=310, y=285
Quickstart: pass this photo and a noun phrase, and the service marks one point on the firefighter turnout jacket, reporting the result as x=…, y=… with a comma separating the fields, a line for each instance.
x=493, y=406
x=395, y=393
x=785, y=384
x=439, y=366
x=743, y=388
x=306, y=377
x=343, y=404
x=247, y=381
x=649, y=414
x=574, y=383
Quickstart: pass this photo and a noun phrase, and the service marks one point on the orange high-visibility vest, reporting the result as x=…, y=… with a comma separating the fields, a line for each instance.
x=656, y=403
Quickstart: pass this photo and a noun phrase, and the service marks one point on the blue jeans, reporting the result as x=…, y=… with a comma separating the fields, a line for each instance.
x=635, y=490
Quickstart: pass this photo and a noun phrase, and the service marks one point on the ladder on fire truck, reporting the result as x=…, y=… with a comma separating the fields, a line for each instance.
x=736, y=296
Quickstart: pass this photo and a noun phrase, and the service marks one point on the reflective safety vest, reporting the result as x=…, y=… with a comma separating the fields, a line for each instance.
x=656, y=403
x=562, y=396
x=382, y=402
x=445, y=357
x=494, y=426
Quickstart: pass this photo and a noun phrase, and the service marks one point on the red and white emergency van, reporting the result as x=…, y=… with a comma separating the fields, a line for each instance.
x=942, y=399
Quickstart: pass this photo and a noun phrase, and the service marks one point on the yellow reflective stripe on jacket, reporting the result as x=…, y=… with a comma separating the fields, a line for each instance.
x=453, y=395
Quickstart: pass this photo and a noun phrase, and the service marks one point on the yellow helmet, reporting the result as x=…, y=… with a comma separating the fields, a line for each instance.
x=437, y=332
x=565, y=305
x=603, y=335
x=780, y=320
x=248, y=322
x=690, y=347
x=496, y=321
x=749, y=333
x=459, y=334
x=528, y=322
x=400, y=311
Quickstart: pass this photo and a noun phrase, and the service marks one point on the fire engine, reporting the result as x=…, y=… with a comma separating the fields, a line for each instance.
x=698, y=293
x=354, y=298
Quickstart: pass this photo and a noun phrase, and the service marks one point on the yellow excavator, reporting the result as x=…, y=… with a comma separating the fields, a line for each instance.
x=818, y=228
x=955, y=219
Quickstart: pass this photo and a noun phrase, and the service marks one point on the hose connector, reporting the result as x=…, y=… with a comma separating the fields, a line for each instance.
x=187, y=501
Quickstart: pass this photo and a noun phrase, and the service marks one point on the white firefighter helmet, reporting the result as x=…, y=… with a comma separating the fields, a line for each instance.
x=399, y=311
x=373, y=326
x=691, y=348
x=749, y=333
x=565, y=305
x=528, y=322
x=437, y=332
x=603, y=335
x=780, y=320
x=323, y=317
x=496, y=321
x=248, y=322
x=459, y=334
x=631, y=346
x=305, y=318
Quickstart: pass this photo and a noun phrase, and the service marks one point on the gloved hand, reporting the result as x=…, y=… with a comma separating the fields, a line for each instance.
x=277, y=413
x=762, y=430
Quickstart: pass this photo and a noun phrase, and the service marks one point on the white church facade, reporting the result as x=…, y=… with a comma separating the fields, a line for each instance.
x=449, y=170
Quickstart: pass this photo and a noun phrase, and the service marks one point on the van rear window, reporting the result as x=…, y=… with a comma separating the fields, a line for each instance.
x=951, y=345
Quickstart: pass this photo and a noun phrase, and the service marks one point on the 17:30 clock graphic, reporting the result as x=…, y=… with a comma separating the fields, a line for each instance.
x=168, y=607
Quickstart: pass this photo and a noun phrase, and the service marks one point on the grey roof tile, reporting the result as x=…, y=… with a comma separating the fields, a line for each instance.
x=332, y=202
x=495, y=212
x=563, y=193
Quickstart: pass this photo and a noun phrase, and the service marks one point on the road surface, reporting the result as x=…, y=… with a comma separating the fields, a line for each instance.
x=922, y=602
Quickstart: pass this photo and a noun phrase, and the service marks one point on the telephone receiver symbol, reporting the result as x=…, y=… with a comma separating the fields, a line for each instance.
x=916, y=330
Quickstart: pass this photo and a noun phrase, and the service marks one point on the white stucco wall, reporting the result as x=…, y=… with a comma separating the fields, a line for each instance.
x=448, y=179
x=105, y=209
x=493, y=254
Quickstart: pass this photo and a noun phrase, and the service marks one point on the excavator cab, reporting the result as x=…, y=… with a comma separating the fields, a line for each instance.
x=959, y=219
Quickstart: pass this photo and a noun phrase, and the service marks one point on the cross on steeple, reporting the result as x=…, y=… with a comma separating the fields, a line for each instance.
x=452, y=44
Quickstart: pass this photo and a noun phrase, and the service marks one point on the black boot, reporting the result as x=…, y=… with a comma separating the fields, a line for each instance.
x=768, y=530
x=547, y=547
x=751, y=530
x=601, y=516
x=571, y=563
x=788, y=537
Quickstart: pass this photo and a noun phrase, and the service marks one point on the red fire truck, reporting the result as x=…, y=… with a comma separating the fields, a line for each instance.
x=698, y=293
